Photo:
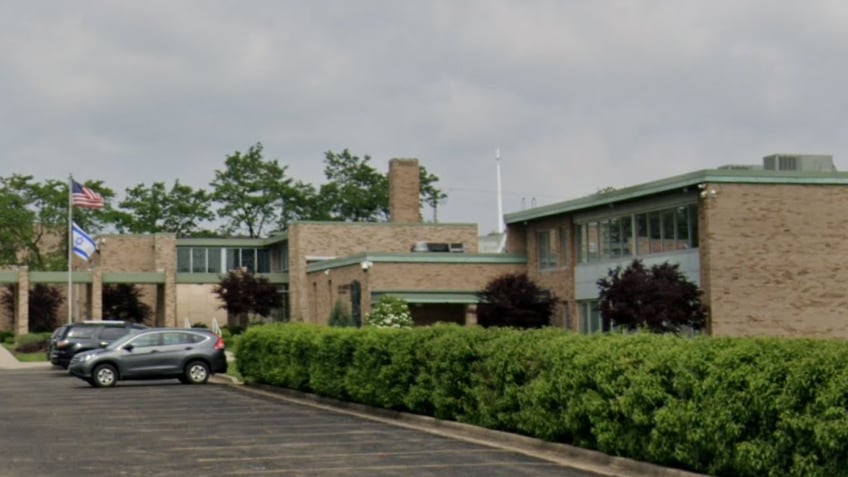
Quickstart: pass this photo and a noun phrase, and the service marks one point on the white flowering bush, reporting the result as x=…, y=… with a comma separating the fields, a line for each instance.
x=389, y=312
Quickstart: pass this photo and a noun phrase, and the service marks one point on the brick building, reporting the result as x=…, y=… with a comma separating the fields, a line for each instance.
x=765, y=244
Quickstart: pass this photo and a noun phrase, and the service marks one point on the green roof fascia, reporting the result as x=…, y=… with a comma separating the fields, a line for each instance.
x=233, y=242
x=726, y=176
x=59, y=277
x=382, y=224
x=134, y=277
x=8, y=276
x=418, y=257
x=452, y=297
x=214, y=278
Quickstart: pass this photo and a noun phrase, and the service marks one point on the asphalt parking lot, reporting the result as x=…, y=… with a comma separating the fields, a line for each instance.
x=52, y=424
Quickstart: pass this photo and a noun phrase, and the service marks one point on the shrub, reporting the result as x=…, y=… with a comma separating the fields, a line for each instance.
x=516, y=301
x=32, y=343
x=389, y=312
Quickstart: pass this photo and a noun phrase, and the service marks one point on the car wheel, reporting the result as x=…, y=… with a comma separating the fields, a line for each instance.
x=104, y=376
x=196, y=372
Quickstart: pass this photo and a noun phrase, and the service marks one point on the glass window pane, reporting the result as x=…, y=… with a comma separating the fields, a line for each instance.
x=263, y=257
x=248, y=259
x=198, y=260
x=580, y=242
x=563, y=246
x=593, y=241
x=604, y=228
x=615, y=237
x=183, y=259
x=667, y=217
x=233, y=259
x=655, y=232
x=284, y=257
x=213, y=260
x=681, y=217
x=643, y=242
x=626, y=235
x=693, y=225
x=545, y=257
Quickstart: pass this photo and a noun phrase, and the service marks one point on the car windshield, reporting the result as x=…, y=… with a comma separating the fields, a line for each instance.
x=81, y=332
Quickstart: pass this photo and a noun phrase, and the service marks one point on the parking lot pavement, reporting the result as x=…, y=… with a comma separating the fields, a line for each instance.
x=52, y=424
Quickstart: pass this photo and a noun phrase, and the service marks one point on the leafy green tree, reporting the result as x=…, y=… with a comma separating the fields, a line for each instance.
x=44, y=303
x=659, y=298
x=245, y=294
x=514, y=300
x=153, y=209
x=430, y=194
x=123, y=302
x=34, y=218
x=355, y=191
x=254, y=193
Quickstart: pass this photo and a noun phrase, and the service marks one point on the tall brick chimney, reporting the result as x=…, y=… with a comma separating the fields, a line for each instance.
x=404, y=190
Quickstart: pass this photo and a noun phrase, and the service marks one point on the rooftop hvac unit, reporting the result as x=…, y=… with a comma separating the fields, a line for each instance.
x=799, y=162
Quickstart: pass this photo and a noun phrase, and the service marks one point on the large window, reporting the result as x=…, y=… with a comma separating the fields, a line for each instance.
x=654, y=231
x=590, y=317
x=546, y=257
x=563, y=246
x=210, y=259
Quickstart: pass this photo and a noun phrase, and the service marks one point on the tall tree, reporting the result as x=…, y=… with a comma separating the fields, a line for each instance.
x=243, y=294
x=152, y=209
x=659, y=298
x=355, y=191
x=430, y=194
x=254, y=193
x=123, y=302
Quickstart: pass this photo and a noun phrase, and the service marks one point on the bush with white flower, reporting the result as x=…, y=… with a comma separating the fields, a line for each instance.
x=389, y=312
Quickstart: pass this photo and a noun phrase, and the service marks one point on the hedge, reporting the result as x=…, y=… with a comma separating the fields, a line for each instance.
x=740, y=407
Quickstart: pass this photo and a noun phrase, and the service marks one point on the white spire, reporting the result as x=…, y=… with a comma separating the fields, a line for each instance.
x=500, y=197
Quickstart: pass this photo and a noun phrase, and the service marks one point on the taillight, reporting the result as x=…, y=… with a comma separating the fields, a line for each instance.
x=219, y=344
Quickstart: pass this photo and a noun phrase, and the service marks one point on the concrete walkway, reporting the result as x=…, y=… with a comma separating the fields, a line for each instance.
x=8, y=361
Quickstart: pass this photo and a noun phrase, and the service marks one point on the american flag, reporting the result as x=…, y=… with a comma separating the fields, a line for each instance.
x=82, y=196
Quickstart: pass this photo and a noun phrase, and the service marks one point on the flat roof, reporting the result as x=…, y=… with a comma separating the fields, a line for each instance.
x=726, y=176
x=417, y=257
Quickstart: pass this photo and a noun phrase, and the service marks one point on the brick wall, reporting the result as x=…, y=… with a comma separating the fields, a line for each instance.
x=404, y=190
x=559, y=280
x=772, y=260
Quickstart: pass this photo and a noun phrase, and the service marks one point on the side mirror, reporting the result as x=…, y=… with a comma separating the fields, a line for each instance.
x=104, y=344
x=129, y=346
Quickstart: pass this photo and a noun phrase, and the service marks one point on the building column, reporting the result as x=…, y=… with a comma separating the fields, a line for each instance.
x=471, y=315
x=95, y=295
x=22, y=303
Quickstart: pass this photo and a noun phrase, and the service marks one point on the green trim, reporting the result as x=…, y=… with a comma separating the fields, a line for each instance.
x=450, y=297
x=59, y=277
x=214, y=278
x=134, y=277
x=232, y=242
x=8, y=276
x=380, y=224
x=418, y=257
x=723, y=176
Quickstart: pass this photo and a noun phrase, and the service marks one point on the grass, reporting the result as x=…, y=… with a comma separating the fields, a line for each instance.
x=26, y=357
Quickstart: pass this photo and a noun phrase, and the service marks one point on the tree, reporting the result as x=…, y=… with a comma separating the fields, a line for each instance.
x=355, y=191
x=659, y=298
x=44, y=303
x=254, y=193
x=514, y=300
x=430, y=195
x=34, y=218
x=153, y=209
x=244, y=295
x=123, y=302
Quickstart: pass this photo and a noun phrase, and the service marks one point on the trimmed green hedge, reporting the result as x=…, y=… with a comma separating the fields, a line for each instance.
x=741, y=407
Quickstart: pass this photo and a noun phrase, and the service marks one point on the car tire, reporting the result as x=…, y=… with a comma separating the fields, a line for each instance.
x=196, y=372
x=104, y=376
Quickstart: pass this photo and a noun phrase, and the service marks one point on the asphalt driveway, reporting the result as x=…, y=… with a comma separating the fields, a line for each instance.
x=52, y=424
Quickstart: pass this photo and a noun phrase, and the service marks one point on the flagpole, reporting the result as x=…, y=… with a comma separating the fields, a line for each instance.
x=70, y=292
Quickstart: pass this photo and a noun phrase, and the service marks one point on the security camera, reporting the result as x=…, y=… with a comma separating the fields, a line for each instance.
x=366, y=264
x=703, y=194
x=702, y=186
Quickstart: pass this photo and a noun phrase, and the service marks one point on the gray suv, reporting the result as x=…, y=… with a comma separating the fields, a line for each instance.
x=190, y=355
x=74, y=338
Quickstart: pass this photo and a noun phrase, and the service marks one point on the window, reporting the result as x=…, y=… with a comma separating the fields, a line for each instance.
x=183, y=259
x=198, y=260
x=590, y=316
x=563, y=246
x=147, y=340
x=256, y=260
x=546, y=258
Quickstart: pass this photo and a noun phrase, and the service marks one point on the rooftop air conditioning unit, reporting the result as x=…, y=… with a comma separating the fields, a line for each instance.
x=799, y=162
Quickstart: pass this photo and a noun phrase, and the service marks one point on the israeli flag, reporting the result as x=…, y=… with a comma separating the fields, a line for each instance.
x=83, y=244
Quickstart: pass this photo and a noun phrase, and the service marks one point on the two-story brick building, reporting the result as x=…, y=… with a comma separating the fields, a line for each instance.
x=768, y=245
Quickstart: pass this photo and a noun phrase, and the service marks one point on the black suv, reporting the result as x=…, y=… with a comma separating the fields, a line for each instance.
x=73, y=338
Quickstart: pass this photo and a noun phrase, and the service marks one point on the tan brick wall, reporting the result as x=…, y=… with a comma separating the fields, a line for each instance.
x=404, y=190
x=559, y=280
x=345, y=239
x=198, y=304
x=772, y=260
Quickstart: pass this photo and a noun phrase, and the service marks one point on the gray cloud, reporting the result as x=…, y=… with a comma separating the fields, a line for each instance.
x=578, y=95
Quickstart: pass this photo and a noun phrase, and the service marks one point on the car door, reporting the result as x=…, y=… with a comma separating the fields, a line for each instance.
x=140, y=355
x=176, y=345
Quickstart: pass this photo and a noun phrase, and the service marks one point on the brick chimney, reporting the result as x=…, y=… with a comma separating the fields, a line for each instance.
x=404, y=190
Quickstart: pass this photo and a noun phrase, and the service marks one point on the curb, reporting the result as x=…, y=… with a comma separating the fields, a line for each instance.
x=595, y=462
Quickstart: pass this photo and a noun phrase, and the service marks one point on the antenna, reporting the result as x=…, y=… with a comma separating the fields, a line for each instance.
x=500, y=196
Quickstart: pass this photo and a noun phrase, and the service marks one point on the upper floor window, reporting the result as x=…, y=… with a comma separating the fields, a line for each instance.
x=563, y=246
x=546, y=256
x=220, y=260
x=637, y=234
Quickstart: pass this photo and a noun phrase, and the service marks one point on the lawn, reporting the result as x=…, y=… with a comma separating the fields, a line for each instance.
x=27, y=357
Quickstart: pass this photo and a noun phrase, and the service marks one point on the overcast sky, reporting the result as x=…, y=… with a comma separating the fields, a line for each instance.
x=578, y=95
